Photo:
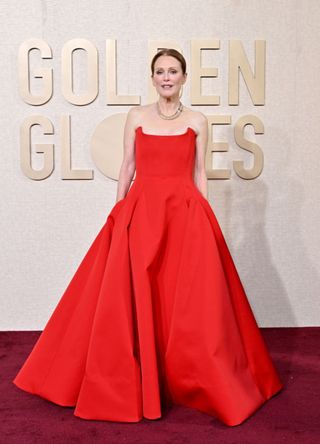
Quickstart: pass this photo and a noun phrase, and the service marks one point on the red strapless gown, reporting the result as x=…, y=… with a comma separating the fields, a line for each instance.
x=156, y=313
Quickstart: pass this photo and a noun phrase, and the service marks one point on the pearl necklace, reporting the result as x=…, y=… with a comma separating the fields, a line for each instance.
x=173, y=116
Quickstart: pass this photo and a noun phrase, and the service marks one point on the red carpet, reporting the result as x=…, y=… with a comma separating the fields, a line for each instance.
x=290, y=417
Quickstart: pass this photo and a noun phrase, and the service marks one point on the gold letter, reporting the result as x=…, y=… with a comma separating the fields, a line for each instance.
x=66, y=170
x=238, y=61
x=67, y=72
x=111, y=79
x=46, y=149
x=198, y=72
x=255, y=149
x=216, y=147
x=41, y=73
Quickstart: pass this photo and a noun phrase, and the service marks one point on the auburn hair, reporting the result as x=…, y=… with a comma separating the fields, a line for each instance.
x=169, y=52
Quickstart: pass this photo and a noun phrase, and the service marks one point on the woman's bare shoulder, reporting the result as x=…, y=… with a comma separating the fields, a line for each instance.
x=136, y=113
x=197, y=119
x=139, y=110
x=195, y=114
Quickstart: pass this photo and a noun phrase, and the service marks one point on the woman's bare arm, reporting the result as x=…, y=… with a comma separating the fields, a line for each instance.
x=128, y=165
x=200, y=177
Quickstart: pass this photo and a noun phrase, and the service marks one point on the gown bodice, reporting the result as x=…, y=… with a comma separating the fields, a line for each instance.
x=165, y=155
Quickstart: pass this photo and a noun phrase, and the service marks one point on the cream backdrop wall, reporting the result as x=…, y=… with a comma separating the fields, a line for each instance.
x=270, y=223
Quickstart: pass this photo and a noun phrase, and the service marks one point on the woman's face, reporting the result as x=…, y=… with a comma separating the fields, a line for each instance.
x=168, y=76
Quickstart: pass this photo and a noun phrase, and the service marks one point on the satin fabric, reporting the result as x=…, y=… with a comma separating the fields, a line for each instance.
x=156, y=313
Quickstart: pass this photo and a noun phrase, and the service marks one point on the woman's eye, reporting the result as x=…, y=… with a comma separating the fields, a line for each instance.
x=172, y=72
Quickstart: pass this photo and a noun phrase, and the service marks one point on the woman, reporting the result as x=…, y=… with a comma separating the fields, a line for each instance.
x=166, y=116
x=156, y=314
